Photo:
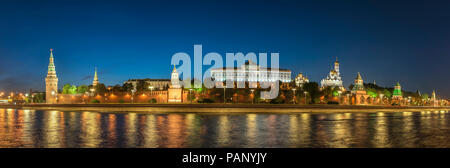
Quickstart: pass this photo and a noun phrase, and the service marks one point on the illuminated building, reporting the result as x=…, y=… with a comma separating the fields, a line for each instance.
x=51, y=82
x=175, y=91
x=250, y=72
x=300, y=80
x=333, y=79
x=397, y=92
x=359, y=94
x=95, y=82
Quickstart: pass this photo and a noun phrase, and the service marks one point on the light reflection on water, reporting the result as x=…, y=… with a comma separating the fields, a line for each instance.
x=55, y=129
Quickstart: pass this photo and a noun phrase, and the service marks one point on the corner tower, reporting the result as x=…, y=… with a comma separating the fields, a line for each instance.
x=51, y=82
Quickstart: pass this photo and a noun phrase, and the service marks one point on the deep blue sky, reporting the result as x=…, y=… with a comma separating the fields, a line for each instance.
x=386, y=41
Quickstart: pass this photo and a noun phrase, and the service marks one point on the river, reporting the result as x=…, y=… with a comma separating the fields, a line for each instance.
x=61, y=129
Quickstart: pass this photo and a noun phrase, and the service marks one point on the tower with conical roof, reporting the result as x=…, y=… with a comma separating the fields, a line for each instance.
x=51, y=82
x=397, y=91
x=359, y=94
x=95, y=82
x=175, y=94
x=434, y=101
x=175, y=79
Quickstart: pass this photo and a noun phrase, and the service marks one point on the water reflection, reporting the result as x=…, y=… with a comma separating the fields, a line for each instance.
x=54, y=129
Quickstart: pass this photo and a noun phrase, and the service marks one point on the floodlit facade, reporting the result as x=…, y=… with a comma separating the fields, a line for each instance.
x=157, y=84
x=300, y=80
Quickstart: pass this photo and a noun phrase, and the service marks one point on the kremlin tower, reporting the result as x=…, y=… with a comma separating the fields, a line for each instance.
x=397, y=92
x=51, y=82
x=175, y=91
x=95, y=82
x=359, y=94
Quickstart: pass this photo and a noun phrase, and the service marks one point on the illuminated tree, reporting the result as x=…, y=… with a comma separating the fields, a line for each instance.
x=66, y=89
x=82, y=89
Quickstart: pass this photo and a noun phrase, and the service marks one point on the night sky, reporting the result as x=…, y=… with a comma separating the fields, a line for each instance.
x=403, y=41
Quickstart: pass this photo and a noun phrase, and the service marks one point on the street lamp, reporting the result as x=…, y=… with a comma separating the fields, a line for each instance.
x=339, y=96
x=253, y=95
x=132, y=95
x=293, y=96
x=224, y=98
x=305, y=95
x=151, y=89
x=190, y=94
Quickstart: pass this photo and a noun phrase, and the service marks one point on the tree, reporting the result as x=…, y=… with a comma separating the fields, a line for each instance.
x=425, y=96
x=127, y=87
x=101, y=88
x=313, y=91
x=141, y=86
x=387, y=93
x=66, y=89
x=82, y=89
x=73, y=89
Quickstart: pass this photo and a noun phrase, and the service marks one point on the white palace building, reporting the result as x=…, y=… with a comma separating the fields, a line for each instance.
x=250, y=72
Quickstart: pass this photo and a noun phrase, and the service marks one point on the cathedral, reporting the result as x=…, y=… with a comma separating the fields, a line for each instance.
x=51, y=82
x=300, y=80
x=333, y=79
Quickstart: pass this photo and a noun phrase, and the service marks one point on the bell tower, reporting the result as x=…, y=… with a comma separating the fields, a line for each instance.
x=51, y=82
x=336, y=66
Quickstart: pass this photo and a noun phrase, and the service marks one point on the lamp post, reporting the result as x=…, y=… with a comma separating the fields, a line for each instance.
x=305, y=96
x=253, y=95
x=190, y=94
x=339, y=96
x=381, y=98
x=224, y=98
x=151, y=89
x=132, y=96
x=293, y=96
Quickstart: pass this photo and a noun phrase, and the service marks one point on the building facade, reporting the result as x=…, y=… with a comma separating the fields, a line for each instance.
x=157, y=84
x=300, y=80
x=333, y=79
x=250, y=72
x=51, y=82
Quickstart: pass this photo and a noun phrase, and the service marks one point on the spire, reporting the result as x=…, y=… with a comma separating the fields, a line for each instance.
x=174, y=69
x=359, y=76
x=95, y=75
x=51, y=65
x=95, y=82
x=51, y=52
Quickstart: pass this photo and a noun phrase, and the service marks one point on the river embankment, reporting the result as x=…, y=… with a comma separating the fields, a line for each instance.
x=222, y=108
